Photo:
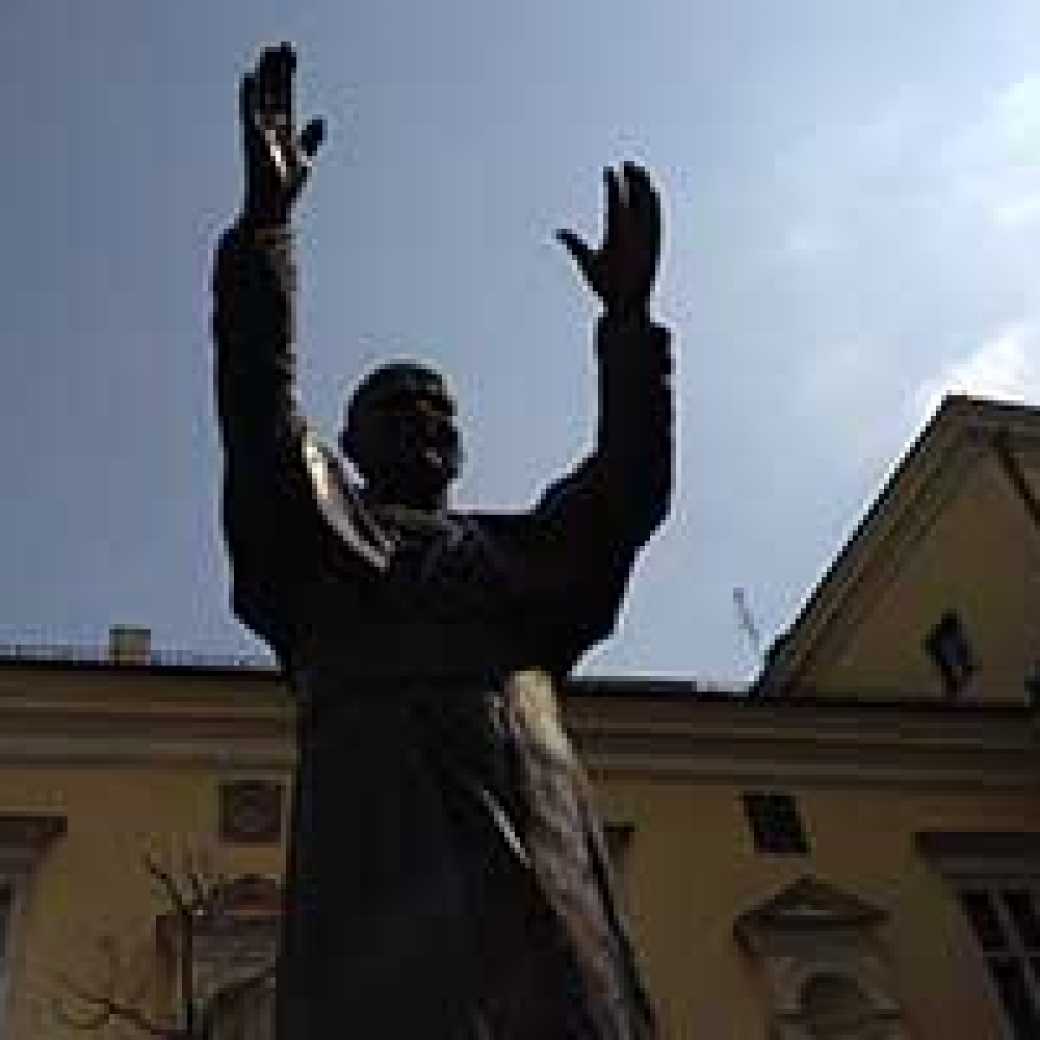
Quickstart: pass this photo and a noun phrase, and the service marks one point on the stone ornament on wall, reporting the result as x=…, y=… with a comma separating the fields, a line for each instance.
x=825, y=970
x=251, y=812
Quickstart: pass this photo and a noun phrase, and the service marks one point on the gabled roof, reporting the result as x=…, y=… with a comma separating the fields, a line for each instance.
x=962, y=429
x=808, y=903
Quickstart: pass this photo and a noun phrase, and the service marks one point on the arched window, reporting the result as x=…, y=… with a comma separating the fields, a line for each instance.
x=835, y=1008
x=825, y=966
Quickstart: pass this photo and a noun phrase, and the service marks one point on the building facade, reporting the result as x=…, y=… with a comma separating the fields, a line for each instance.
x=850, y=850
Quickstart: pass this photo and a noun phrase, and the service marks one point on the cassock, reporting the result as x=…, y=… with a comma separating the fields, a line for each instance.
x=447, y=876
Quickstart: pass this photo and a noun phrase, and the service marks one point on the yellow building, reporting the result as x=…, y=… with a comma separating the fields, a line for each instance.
x=106, y=765
x=849, y=850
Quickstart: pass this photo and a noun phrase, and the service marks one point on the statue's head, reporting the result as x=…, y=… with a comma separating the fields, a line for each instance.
x=400, y=433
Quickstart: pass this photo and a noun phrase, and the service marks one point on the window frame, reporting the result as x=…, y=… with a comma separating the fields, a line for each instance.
x=951, y=652
x=758, y=809
x=991, y=862
x=23, y=839
x=1014, y=947
x=11, y=902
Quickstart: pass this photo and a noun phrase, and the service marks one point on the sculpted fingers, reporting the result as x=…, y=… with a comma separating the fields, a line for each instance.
x=582, y=254
x=264, y=76
x=273, y=91
x=614, y=208
x=277, y=162
x=644, y=228
x=247, y=102
x=622, y=270
x=643, y=203
x=637, y=184
x=312, y=137
x=283, y=67
x=307, y=147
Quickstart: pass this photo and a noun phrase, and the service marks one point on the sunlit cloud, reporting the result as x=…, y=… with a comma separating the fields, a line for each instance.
x=1006, y=368
x=995, y=162
x=1018, y=119
x=1016, y=212
x=808, y=242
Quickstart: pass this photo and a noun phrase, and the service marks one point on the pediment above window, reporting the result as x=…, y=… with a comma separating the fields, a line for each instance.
x=824, y=966
x=808, y=903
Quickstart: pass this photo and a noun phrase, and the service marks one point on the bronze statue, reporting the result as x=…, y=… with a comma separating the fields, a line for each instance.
x=447, y=877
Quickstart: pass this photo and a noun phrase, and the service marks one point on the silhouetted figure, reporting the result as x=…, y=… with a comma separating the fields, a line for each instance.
x=447, y=877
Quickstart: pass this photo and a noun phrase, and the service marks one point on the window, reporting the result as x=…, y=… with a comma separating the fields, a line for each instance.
x=775, y=823
x=233, y=954
x=947, y=645
x=23, y=840
x=6, y=903
x=1005, y=919
x=994, y=877
x=1032, y=685
x=834, y=1007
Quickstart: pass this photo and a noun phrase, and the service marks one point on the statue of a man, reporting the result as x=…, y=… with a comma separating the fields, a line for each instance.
x=447, y=877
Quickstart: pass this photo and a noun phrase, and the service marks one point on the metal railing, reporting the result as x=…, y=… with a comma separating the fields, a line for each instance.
x=86, y=653
x=96, y=654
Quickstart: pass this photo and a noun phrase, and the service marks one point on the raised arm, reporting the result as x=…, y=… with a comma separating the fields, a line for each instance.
x=618, y=496
x=254, y=288
x=254, y=277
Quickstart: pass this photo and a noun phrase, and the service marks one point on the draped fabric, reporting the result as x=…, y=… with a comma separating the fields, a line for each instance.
x=447, y=875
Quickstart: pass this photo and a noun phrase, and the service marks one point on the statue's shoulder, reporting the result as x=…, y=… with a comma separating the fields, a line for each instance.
x=502, y=527
x=326, y=474
x=339, y=502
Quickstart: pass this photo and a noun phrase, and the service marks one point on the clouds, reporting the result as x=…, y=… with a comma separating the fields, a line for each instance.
x=808, y=241
x=994, y=162
x=1005, y=367
x=854, y=228
x=893, y=250
x=912, y=163
x=911, y=228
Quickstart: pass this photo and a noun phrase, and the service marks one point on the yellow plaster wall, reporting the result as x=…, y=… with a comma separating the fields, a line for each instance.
x=981, y=558
x=91, y=883
x=692, y=869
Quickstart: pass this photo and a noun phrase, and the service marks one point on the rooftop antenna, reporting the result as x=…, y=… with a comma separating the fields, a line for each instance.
x=746, y=620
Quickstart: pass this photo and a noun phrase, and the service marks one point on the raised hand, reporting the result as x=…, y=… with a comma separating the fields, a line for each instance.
x=622, y=271
x=276, y=160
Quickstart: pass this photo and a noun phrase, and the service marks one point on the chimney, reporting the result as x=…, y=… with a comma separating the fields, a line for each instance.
x=129, y=644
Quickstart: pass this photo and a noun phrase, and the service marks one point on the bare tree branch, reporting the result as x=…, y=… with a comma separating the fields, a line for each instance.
x=169, y=886
x=108, y=1008
x=89, y=1024
x=193, y=897
x=231, y=993
x=235, y=989
x=202, y=896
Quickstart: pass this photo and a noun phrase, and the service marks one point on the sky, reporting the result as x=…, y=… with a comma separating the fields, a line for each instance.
x=852, y=198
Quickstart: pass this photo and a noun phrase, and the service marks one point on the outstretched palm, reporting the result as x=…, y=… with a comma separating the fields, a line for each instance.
x=276, y=160
x=622, y=271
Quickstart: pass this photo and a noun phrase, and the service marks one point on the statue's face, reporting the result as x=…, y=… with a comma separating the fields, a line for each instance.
x=407, y=438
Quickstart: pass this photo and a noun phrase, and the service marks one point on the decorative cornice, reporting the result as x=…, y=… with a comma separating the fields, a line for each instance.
x=74, y=718
x=226, y=724
x=988, y=844
x=812, y=744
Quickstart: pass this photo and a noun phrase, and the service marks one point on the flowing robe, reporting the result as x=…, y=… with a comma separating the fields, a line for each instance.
x=447, y=877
